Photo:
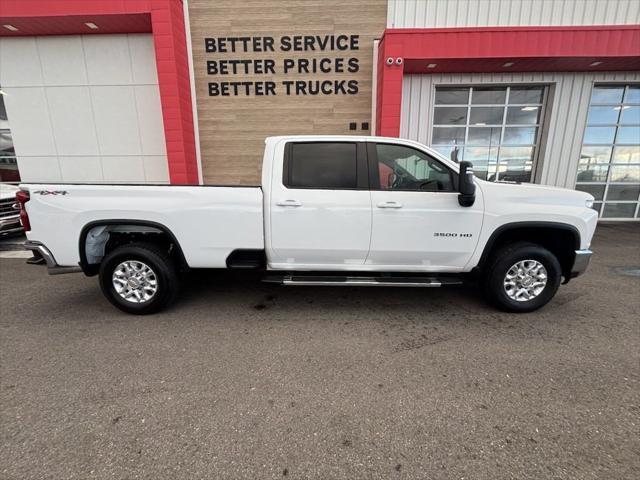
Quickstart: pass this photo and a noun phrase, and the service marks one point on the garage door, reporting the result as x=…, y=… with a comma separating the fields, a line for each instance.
x=84, y=108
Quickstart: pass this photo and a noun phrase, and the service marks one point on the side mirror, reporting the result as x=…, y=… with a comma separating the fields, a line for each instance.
x=466, y=185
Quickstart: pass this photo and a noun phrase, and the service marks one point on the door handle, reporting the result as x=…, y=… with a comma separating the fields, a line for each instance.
x=389, y=205
x=289, y=203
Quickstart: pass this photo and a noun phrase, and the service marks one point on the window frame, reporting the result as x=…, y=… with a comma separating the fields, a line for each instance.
x=538, y=144
x=11, y=160
x=374, y=173
x=362, y=173
x=600, y=205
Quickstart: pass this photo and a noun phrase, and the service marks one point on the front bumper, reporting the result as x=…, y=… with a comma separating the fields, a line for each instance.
x=581, y=262
x=10, y=224
x=52, y=266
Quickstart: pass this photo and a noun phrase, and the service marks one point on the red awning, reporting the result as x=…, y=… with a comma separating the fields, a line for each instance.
x=496, y=49
x=522, y=49
x=76, y=24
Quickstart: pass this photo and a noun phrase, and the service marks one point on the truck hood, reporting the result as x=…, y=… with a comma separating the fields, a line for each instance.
x=7, y=191
x=533, y=193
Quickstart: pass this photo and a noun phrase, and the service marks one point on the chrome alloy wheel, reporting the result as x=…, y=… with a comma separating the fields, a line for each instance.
x=135, y=281
x=525, y=280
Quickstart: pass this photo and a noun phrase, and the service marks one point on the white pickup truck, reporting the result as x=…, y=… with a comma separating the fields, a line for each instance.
x=332, y=210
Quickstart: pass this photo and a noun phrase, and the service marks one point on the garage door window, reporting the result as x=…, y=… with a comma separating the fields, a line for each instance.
x=8, y=164
x=496, y=128
x=609, y=167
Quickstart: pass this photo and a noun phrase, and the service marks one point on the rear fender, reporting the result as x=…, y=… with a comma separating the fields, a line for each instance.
x=94, y=237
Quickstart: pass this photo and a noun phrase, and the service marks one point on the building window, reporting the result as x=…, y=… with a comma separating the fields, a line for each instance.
x=8, y=163
x=495, y=128
x=609, y=167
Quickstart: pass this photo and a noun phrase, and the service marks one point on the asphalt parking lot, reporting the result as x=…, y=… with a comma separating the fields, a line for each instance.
x=245, y=380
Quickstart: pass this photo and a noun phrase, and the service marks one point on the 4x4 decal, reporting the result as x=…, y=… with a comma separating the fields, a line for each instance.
x=51, y=192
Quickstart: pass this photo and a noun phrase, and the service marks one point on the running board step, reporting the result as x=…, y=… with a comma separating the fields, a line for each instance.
x=349, y=281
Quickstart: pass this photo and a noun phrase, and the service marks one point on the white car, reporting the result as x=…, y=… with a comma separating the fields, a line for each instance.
x=332, y=210
x=9, y=216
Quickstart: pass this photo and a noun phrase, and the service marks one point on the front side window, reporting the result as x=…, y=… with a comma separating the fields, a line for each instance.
x=404, y=168
x=609, y=167
x=321, y=165
x=495, y=128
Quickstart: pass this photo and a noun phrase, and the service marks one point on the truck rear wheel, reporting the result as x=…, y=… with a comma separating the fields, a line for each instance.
x=522, y=277
x=139, y=278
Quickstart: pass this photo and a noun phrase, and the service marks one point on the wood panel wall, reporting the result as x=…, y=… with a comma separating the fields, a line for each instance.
x=232, y=128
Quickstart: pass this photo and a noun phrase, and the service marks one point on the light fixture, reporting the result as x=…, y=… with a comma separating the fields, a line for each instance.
x=508, y=64
x=528, y=109
x=621, y=108
x=432, y=65
x=2, y=92
x=595, y=64
x=11, y=28
x=91, y=25
x=479, y=123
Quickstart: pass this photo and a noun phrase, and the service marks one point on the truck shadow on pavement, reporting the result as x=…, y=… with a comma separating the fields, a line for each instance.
x=212, y=286
x=403, y=319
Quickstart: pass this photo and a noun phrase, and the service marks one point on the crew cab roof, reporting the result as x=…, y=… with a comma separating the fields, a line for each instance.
x=343, y=138
x=272, y=141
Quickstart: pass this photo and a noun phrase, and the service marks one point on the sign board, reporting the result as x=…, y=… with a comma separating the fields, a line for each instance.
x=278, y=67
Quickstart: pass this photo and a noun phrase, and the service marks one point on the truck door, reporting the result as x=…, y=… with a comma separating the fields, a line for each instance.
x=417, y=221
x=320, y=206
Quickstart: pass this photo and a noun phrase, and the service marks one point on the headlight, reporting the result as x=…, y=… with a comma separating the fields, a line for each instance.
x=589, y=203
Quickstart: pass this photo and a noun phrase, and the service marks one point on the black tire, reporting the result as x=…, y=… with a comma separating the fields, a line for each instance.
x=501, y=262
x=157, y=260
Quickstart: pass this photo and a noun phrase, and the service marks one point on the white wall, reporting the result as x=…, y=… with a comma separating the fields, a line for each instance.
x=84, y=108
x=482, y=13
x=566, y=113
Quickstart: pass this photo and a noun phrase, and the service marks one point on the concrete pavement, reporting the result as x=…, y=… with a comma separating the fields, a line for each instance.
x=245, y=380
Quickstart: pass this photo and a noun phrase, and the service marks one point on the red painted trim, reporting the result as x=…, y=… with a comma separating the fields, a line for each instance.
x=389, y=91
x=169, y=36
x=523, y=64
x=52, y=8
x=487, y=49
x=170, y=42
x=76, y=24
x=539, y=28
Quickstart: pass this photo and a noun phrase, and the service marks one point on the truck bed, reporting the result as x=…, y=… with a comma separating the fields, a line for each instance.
x=209, y=222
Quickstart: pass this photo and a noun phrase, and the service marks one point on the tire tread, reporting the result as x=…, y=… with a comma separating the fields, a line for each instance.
x=492, y=286
x=166, y=265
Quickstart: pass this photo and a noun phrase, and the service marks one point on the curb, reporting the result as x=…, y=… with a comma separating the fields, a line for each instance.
x=15, y=254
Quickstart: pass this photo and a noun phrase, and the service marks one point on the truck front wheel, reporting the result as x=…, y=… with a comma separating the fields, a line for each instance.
x=522, y=277
x=139, y=278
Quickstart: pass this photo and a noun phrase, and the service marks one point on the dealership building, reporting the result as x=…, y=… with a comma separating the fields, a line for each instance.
x=184, y=92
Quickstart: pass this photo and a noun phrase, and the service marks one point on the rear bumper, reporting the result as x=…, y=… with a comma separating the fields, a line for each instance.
x=10, y=224
x=581, y=262
x=52, y=266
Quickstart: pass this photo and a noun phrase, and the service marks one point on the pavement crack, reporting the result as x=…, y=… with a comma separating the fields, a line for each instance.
x=420, y=342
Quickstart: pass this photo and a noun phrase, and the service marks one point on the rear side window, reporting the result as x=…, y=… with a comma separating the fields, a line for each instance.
x=321, y=165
